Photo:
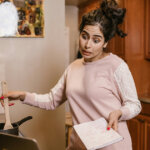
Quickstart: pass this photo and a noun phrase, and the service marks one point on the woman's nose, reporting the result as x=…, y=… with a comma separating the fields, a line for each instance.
x=88, y=44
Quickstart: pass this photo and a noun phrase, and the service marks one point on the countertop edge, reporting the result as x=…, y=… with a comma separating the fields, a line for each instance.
x=145, y=99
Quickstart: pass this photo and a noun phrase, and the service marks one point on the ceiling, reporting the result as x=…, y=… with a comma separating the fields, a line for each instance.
x=76, y=2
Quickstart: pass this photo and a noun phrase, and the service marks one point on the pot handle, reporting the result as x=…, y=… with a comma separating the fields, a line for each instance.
x=24, y=120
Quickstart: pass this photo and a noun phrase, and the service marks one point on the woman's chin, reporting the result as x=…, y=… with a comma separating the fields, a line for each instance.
x=87, y=59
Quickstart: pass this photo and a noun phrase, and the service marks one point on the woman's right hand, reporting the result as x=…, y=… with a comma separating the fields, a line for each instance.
x=15, y=95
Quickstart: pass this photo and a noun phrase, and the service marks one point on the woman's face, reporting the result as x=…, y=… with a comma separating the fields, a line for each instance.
x=91, y=43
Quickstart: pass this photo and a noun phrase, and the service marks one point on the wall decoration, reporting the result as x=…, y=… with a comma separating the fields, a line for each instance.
x=30, y=17
x=8, y=19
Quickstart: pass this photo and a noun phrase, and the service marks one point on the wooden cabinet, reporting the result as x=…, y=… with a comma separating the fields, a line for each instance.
x=147, y=29
x=139, y=128
x=134, y=128
x=147, y=133
x=117, y=45
x=68, y=127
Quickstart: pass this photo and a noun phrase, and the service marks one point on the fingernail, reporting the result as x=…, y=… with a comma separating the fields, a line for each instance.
x=11, y=104
x=108, y=128
x=2, y=97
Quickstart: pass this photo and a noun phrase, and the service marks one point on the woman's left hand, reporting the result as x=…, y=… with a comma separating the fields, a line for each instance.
x=113, y=119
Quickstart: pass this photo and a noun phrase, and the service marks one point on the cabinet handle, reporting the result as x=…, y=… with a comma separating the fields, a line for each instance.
x=142, y=121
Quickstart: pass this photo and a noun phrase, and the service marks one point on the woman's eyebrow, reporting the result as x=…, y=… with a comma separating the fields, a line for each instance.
x=86, y=32
x=98, y=36
x=93, y=35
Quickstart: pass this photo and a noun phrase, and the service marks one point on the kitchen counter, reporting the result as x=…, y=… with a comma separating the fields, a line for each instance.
x=145, y=99
x=145, y=102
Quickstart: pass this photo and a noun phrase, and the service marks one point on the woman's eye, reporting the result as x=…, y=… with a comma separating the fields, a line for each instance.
x=96, y=40
x=84, y=36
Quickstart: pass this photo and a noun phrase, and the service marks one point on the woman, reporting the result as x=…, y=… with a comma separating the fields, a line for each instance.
x=98, y=85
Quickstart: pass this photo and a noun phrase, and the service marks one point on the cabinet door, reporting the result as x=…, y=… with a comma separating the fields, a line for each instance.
x=146, y=133
x=117, y=44
x=147, y=29
x=134, y=126
x=147, y=136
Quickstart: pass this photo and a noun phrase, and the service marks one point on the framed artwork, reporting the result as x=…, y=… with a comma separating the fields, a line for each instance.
x=28, y=20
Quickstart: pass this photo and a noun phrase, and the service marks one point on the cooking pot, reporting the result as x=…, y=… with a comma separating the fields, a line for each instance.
x=15, y=129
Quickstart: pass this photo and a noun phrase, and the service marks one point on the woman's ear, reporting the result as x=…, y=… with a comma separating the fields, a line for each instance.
x=105, y=44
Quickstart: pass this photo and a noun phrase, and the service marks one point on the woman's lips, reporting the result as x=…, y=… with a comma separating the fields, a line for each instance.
x=86, y=53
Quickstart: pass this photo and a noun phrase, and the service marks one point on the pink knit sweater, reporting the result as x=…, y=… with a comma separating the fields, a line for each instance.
x=94, y=89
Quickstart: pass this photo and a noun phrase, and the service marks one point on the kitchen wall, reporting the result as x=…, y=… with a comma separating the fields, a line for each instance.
x=35, y=65
x=72, y=34
x=72, y=25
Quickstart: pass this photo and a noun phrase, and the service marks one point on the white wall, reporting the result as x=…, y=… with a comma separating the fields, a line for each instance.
x=72, y=23
x=35, y=65
x=71, y=16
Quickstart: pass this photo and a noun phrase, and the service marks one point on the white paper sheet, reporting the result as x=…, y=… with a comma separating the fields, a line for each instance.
x=95, y=135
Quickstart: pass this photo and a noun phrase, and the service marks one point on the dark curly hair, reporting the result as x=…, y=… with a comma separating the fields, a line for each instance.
x=108, y=17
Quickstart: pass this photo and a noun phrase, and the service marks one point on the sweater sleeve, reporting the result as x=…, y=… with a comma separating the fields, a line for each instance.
x=51, y=100
x=131, y=106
